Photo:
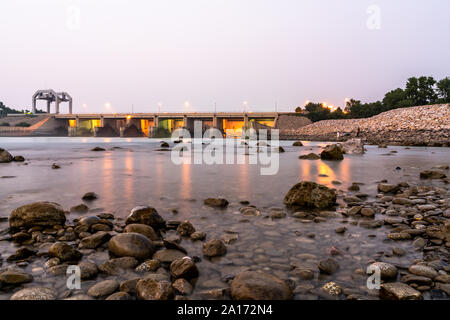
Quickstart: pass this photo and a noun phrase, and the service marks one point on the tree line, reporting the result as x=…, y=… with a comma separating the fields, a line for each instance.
x=418, y=92
x=4, y=110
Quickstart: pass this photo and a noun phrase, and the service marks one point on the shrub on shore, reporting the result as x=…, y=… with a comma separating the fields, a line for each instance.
x=4, y=124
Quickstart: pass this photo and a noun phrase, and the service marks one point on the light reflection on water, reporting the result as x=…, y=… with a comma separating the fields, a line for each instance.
x=138, y=175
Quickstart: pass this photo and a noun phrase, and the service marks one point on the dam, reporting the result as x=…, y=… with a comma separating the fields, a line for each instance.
x=141, y=124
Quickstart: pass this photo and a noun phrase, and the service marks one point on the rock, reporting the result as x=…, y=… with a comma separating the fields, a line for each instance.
x=332, y=152
x=119, y=296
x=310, y=195
x=368, y=212
x=387, y=188
x=280, y=149
x=146, y=215
x=118, y=265
x=81, y=208
x=399, y=236
x=35, y=293
x=309, y=156
x=230, y=237
x=252, y=285
x=353, y=146
x=173, y=245
x=131, y=245
x=95, y=240
x=168, y=255
x=340, y=230
x=19, y=159
x=149, y=289
x=186, y=229
x=164, y=145
x=303, y=274
x=103, y=288
x=354, y=210
x=129, y=286
x=198, y=235
x=45, y=214
x=11, y=277
x=20, y=254
x=398, y=251
x=250, y=211
x=402, y=201
x=148, y=266
x=5, y=156
x=354, y=187
x=64, y=252
x=432, y=174
x=328, y=266
x=182, y=287
x=277, y=213
x=216, y=202
x=58, y=270
x=55, y=166
x=297, y=144
x=184, y=268
x=332, y=288
x=424, y=271
x=214, y=248
x=387, y=270
x=142, y=229
x=98, y=149
x=399, y=291
x=21, y=236
x=88, y=270
x=89, y=196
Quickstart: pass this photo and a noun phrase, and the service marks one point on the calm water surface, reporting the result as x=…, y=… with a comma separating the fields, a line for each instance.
x=136, y=174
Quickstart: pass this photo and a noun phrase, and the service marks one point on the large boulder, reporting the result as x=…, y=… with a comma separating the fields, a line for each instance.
x=5, y=156
x=252, y=285
x=11, y=277
x=353, y=146
x=146, y=215
x=399, y=291
x=131, y=245
x=149, y=289
x=332, y=152
x=45, y=214
x=310, y=195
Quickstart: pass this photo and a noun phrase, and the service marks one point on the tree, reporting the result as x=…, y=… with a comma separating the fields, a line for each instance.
x=396, y=99
x=443, y=90
x=421, y=90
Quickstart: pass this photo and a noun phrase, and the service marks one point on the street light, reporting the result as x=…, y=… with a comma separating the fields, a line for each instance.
x=245, y=105
x=186, y=105
x=159, y=107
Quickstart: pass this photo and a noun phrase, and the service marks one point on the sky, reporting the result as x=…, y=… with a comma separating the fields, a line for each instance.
x=192, y=55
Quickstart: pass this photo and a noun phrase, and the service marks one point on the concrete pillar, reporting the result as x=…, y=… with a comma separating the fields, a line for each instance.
x=185, y=121
x=122, y=129
x=214, y=121
x=156, y=121
x=48, y=106
x=246, y=121
x=77, y=122
x=57, y=105
x=102, y=121
x=34, y=106
x=276, y=120
x=70, y=106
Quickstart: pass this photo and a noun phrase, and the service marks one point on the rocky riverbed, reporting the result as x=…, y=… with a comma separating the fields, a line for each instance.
x=309, y=241
x=415, y=126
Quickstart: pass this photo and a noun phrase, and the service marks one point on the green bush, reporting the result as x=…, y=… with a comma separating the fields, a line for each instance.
x=4, y=124
x=23, y=124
